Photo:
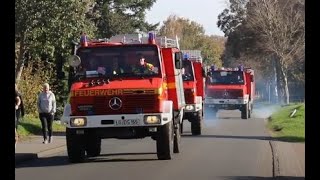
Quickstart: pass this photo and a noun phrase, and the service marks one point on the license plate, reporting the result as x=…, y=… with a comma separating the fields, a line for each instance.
x=127, y=122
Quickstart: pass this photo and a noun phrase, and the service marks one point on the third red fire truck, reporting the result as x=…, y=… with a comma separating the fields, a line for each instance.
x=230, y=88
x=193, y=83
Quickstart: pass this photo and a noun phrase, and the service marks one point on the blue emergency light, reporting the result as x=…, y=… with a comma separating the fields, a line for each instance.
x=185, y=56
x=240, y=67
x=212, y=68
x=151, y=38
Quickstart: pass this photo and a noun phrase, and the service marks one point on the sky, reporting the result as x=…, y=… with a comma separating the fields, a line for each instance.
x=204, y=12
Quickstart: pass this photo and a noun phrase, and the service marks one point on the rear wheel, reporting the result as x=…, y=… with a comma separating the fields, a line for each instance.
x=245, y=112
x=165, y=142
x=75, y=146
x=177, y=139
x=181, y=127
x=196, y=124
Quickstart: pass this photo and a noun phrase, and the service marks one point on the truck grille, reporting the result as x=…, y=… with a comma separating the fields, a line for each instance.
x=225, y=94
x=189, y=96
x=131, y=104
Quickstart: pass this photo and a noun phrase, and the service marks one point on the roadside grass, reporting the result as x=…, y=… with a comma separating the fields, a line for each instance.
x=30, y=126
x=285, y=128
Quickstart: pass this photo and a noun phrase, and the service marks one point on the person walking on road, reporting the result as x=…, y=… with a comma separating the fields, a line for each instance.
x=20, y=110
x=17, y=104
x=46, y=108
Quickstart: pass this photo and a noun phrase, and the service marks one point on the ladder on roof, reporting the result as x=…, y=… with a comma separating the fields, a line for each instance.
x=142, y=38
x=193, y=54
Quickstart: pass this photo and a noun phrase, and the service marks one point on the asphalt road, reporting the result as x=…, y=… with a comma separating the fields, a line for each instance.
x=229, y=148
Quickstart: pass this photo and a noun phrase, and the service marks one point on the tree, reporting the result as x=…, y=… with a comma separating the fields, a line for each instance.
x=45, y=28
x=122, y=16
x=269, y=38
x=232, y=17
x=191, y=35
x=280, y=25
x=188, y=31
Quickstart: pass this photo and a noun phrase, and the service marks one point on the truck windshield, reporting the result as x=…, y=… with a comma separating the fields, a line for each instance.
x=187, y=71
x=226, y=77
x=119, y=61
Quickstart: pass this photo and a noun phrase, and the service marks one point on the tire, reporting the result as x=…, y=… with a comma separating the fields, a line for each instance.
x=196, y=124
x=250, y=111
x=177, y=139
x=75, y=146
x=93, y=147
x=181, y=128
x=165, y=142
x=245, y=112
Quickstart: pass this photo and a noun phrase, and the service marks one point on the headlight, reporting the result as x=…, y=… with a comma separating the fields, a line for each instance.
x=189, y=107
x=149, y=119
x=79, y=121
x=159, y=90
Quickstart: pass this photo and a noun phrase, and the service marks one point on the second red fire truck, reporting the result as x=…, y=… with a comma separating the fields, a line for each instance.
x=193, y=83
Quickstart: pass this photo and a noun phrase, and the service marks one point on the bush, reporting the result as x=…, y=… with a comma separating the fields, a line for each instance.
x=30, y=85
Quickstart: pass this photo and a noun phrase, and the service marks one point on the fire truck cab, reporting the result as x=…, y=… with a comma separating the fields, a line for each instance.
x=229, y=89
x=125, y=87
x=193, y=83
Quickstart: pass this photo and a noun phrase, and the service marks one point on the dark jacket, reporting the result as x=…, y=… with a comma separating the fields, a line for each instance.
x=20, y=110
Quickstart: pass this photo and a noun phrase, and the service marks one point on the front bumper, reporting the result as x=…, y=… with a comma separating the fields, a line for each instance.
x=120, y=120
x=211, y=101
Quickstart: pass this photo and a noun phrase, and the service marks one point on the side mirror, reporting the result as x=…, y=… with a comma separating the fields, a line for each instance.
x=252, y=78
x=74, y=60
x=178, y=60
x=203, y=73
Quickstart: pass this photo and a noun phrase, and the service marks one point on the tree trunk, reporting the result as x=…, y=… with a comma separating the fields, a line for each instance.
x=20, y=64
x=284, y=78
x=279, y=81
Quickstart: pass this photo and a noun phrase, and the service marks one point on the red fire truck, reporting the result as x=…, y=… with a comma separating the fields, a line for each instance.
x=126, y=87
x=193, y=83
x=230, y=88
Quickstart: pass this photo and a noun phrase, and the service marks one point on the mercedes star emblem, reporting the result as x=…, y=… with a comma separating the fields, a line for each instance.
x=115, y=103
x=225, y=93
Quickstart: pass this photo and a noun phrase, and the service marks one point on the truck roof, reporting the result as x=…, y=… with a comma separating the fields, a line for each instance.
x=134, y=38
x=193, y=55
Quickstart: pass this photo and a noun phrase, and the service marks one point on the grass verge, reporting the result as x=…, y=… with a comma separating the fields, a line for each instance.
x=32, y=126
x=286, y=128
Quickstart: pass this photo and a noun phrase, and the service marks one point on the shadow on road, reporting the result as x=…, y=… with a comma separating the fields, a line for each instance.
x=63, y=160
x=265, y=138
x=115, y=157
x=57, y=133
x=45, y=162
x=264, y=178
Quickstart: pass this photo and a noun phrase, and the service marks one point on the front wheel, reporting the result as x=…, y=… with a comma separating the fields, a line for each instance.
x=93, y=147
x=75, y=146
x=165, y=142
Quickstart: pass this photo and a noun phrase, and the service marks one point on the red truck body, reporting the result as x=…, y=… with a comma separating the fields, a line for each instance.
x=118, y=98
x=193, y=84
x=231, y=89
